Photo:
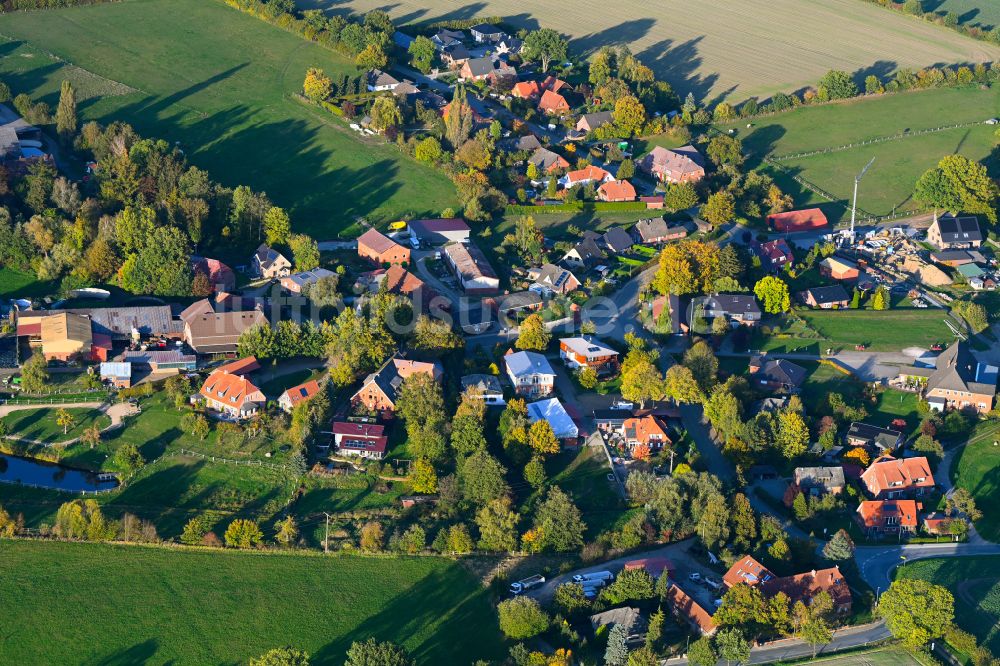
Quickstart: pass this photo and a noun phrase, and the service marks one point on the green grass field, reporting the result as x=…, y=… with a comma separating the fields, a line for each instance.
x=898, y=164
x=98, y=604
x=219, y=83
x=980, y=13
x=174, y=487
x=975, y=584
x=977, y=469
x=888, y=656
x=40, y=424
x=888, y=330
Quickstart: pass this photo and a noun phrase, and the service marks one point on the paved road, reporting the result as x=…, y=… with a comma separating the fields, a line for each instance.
x=793, y=648
x=545, y=593
x=878, y=562
x=711, y=455
x=618, y=314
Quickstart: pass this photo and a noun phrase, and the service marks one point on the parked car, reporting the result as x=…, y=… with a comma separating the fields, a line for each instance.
x=694, y=577
x=601, y=576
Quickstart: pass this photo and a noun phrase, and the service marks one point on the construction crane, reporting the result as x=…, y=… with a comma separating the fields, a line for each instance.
x=854, y=203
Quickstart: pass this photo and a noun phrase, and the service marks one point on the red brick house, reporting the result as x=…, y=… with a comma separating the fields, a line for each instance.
x=553, y=103
x=380, y=390
x=836, y=268
x=381, y=249
x=775, y=255
x=682, y=165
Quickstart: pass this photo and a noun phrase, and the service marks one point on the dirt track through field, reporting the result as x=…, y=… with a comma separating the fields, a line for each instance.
x=715, y=48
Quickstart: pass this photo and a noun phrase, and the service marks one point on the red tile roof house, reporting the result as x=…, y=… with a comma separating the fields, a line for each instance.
x=591, y=174
x=219, y=275
x=683, y=165
x=527, y=90
x=584, y=352
x=685, y=608
x=799, y=587
x=382, y=250
x=880, y=517
x=359, y=439
x=892, y=478
x=616, y=190
x=297, y=394
x=805, y=586
x=647, y=430
x=553, y=103
x=231, y=395
x=775, y=255
x=809, y=219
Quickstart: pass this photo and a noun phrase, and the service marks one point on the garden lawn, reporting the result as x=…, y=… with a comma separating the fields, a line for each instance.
x=886, y=330
x=976, y=467
x=15, y=284
x=40, y=424
x=220, y=84
x=584, y=477
x=975, y=584
x=890, y=404
x=133, y=605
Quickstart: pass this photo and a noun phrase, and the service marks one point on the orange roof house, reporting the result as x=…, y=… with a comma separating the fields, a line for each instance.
x=591, y=174
x=527, y=90
x=747, y=570
x=800, y=587
x=805, y=586
x=232, y=395
x=381, y=249
x=647, y=430
x=398, y=280
x=687, y=609
x=798, y=220
x=616, y=190
x=888, y=516
x=892, y=478
x=297, y=394
x=553, y=103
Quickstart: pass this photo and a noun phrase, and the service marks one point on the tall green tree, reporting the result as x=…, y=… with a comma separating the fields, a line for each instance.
x=732, y=646
x=545, y=45
x=616, y=653
x=375, y=653
x=422, y=53
x=66, y=120
x=482, y=478
x=558, y=523
x=916, y=611
x=773, y=294
x=497, y=523
x=522, y=617
x=532, y=334
x=285, y=656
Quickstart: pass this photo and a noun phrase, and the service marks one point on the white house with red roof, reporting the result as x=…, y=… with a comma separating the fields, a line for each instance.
x=366, y=440
x=295, y=395
x=231, y=395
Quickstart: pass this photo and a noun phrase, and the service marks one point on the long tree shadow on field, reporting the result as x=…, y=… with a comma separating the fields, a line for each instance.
x=140, y=653
x=434, y=599
x=678, y=64
x=883, y=69
x=158, y=104
x=623, y=33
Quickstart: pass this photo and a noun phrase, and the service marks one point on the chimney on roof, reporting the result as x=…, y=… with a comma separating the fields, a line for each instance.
x=814, y=573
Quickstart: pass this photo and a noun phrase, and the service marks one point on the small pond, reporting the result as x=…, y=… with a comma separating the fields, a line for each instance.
x=42, y=474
